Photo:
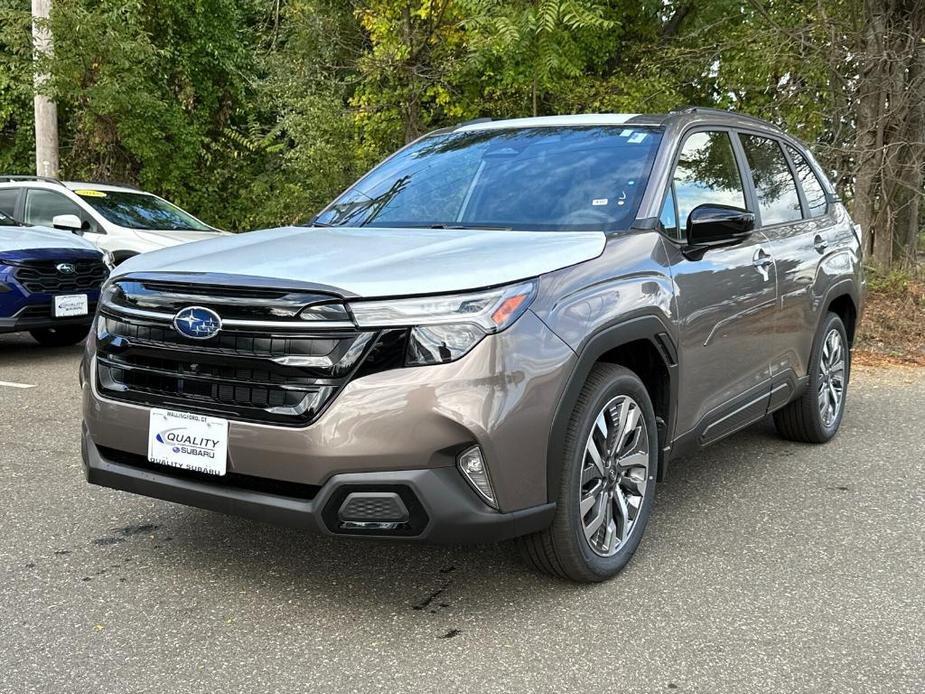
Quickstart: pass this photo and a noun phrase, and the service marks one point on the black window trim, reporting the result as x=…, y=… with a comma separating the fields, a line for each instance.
x=807, y=213
x=750, y=182
x=739, y=156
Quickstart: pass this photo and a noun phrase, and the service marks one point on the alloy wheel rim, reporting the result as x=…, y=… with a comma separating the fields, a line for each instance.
x=831, y=378
x=614, y=476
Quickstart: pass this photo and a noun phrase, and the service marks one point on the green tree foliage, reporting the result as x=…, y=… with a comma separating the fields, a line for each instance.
x=257, y=112
x=17, y=137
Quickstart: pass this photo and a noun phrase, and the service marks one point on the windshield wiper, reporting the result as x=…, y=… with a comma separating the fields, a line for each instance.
x=487, y=227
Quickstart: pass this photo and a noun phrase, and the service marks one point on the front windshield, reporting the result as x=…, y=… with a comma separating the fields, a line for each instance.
x=543, y=179
x=140, y=211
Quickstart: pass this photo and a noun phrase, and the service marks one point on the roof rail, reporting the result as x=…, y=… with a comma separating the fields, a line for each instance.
x=723, y=112
x=16, y=177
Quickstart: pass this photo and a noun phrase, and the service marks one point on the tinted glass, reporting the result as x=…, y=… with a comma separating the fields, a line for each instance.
x=812, y=188
x=561, y=178
x=707, y=174
x=8, y=200
x=778, y=200
x=6, y=221
x=44, y=205
x=140, y=211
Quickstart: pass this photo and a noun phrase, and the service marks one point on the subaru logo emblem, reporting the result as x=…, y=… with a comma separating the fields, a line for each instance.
x=66, y=268
x=197, y=322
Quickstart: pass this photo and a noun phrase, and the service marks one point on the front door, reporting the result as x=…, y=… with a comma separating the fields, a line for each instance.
x=726, y=298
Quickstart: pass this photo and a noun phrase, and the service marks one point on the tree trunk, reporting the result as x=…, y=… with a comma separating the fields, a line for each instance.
x=46, y=110
x=912, y=180
x=870, y=106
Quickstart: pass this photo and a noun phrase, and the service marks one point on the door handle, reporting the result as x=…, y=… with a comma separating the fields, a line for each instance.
x=761, y=258
x=762, y=262
x=819, y=243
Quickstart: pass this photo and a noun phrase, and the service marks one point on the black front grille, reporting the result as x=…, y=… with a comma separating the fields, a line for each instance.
x=49, y=276
x=278, y=372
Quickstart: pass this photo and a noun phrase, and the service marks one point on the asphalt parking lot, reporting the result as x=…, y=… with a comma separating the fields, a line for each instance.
x=767, y=567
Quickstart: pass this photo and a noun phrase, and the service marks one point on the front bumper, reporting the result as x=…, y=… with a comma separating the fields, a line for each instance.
x=403, y=426
x=24, y=321
x=447, y=510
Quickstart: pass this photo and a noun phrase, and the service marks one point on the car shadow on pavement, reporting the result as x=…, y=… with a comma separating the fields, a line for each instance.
x=17, y=349
x=367, y=574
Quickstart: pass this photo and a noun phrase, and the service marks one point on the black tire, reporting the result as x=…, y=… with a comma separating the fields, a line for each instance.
x=562, y=549
x=802, y=420
x=60, y=337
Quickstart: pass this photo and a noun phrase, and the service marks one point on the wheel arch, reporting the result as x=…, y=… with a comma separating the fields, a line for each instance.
x=642, y=344
x=843, y=303
x=123, y=255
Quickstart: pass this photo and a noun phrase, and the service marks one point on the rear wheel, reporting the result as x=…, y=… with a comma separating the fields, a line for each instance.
x=817, y=414
x=607, y=484
x=60, y=337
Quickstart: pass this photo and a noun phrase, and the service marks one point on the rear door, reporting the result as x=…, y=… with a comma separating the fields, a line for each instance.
x=792, y=213
x=726, y=297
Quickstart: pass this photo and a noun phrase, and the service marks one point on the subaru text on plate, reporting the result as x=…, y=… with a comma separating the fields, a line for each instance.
x=506, y=330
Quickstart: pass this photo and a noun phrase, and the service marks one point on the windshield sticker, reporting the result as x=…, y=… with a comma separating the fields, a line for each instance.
x=91, y=193
x=638, y=137
x=626, y=133
x=599, y=201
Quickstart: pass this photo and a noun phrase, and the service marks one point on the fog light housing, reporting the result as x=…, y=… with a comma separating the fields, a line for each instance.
x=473, y=468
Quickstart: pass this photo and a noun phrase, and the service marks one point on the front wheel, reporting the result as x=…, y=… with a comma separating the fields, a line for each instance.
x=60, y=337
x=608, y=481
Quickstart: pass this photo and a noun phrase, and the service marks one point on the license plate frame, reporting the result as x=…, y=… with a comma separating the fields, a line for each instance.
x=70, y=306
x=188, y=441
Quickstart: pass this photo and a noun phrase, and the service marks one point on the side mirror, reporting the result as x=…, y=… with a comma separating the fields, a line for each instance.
x=68, y=222
x=718, y=225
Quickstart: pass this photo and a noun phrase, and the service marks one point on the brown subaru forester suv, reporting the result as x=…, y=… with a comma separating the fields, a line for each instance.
x=508, y=329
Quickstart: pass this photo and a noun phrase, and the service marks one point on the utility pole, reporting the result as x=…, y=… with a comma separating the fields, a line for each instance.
x=46, y=110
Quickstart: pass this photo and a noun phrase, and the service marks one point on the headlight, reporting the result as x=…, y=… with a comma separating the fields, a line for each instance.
x=445, y=328
x=109, y=259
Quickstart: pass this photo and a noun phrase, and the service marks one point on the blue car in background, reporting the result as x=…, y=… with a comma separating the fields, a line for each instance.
x=49, y=282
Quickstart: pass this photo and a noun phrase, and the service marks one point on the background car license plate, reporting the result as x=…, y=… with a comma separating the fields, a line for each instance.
x=71, y=305
x=188, y=441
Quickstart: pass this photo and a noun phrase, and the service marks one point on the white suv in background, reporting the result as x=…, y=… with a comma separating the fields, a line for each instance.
x=121, y=220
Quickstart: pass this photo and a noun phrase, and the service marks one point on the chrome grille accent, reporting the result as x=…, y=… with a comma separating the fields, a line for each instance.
x=270, y=367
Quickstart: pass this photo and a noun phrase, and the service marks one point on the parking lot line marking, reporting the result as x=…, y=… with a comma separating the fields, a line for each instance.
x=10, y=384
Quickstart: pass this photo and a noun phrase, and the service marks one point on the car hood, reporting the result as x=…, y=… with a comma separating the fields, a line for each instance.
x=30, y=238
x=376, y=262
x=167, y=238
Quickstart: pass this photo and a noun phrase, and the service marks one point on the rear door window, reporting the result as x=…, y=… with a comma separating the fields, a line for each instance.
x=707, y=174
x=8, y=197
x=778, y=199
x=812, y=187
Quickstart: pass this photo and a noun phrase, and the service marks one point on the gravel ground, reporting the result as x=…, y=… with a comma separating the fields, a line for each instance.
x=767, y=567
